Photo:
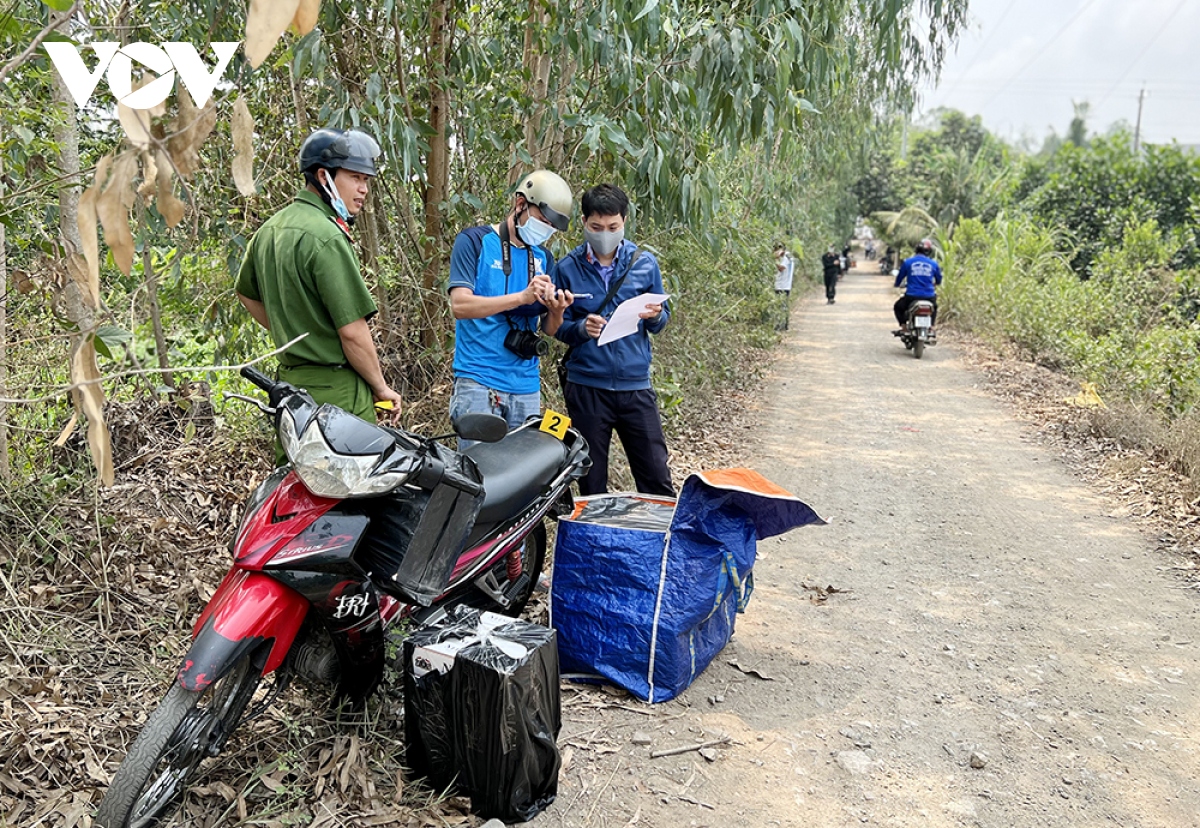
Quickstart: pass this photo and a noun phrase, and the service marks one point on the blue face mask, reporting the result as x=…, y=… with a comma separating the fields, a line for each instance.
x=335, y=200
x=535, y=232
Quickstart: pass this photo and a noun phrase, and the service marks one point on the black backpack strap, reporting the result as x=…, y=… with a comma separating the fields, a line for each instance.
x=616, y=284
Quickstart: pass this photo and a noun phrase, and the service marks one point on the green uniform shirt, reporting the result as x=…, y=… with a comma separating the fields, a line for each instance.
x=301, y=266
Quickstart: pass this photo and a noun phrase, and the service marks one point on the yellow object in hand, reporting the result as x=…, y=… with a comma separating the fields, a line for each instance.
x=385, y=405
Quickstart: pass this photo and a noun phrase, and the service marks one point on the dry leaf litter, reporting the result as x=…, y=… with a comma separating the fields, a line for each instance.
x=99, y=594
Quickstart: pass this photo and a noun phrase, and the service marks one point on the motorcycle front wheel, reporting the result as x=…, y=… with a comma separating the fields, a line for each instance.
x=187, y=727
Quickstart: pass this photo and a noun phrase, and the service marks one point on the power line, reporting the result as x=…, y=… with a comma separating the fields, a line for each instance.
x=1142, y=53
x=983, y=47
x=1087, y=4
x=1055, y=88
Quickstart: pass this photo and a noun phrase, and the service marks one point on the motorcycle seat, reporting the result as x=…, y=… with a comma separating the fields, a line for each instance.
x=515, y=471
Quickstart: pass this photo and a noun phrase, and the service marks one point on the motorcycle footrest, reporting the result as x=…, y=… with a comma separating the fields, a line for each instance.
x=502, y=594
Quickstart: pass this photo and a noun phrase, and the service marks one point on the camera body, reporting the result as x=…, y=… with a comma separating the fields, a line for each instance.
x=526, y=344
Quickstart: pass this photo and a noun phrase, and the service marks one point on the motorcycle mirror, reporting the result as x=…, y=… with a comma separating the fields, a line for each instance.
x=259, y=404
x=486, y=428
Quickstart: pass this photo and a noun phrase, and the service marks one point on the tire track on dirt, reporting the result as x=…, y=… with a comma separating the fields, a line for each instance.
x=990, y=614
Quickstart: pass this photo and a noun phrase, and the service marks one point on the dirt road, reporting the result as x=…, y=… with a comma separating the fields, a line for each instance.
x=999, y=652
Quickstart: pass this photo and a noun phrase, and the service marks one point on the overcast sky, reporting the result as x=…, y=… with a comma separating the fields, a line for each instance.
x=1022, y=62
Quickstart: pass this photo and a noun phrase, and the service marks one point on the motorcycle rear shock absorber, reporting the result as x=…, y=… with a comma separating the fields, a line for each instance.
x=515, y=564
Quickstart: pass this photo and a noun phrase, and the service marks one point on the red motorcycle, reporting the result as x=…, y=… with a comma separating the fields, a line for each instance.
x=365, y=525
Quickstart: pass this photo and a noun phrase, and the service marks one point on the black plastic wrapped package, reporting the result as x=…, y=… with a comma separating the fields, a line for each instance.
x=417, y=535
x=483, y=712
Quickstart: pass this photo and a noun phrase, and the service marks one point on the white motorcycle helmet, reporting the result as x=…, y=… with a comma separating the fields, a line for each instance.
x=550, y=194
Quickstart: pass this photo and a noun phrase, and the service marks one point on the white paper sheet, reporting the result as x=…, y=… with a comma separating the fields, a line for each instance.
x=624, y=320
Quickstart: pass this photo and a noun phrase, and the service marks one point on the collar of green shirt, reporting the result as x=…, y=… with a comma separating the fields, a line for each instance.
x=309, y=197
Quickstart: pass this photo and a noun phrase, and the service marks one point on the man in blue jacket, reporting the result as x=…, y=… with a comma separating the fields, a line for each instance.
x=607, y=386
x=922, y=275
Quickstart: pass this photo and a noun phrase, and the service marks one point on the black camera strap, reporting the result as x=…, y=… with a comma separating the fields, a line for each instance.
x=506, y=265
x=506, y=255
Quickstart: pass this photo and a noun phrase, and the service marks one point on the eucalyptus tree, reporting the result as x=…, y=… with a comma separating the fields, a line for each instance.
x=655, y=94
x=665, y=96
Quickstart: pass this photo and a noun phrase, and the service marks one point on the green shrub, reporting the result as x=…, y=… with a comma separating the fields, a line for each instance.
x=1130, y=329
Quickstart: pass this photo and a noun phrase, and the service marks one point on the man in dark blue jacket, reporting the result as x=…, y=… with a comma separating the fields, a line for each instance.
x=922, y=275
x=608, y=386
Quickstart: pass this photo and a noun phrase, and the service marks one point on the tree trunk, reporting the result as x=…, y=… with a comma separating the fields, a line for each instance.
x=83, y=311
x=66, y=135
x=369, y=228
x=160, y=338
x=5, y=470
x=537, y=67
x=556, y=141
x=437, y=167
x=298, y=102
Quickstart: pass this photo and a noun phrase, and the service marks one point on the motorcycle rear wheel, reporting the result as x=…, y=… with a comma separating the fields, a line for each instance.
x=187, y=727
x=533, y=558
x=918, y=348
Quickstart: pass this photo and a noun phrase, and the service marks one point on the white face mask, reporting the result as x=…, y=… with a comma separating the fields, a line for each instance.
x=535, y=232
x=335, y=200
x=604, y=242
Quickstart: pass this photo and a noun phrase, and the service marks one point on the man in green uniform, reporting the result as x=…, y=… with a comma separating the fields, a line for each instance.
x=301, y=275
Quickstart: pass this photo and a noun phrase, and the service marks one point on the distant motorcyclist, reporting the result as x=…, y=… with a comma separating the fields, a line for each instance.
x=920, y=274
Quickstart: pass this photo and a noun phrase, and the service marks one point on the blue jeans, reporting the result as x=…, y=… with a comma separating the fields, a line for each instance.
x=470, y=397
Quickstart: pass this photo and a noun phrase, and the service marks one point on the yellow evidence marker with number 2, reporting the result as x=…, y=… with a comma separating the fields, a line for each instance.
x=555, y=423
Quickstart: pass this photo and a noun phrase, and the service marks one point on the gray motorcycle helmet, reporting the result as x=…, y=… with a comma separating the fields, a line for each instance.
x=337, y=149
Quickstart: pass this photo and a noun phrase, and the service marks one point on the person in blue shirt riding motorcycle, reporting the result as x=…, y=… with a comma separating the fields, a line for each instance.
x=920, y=274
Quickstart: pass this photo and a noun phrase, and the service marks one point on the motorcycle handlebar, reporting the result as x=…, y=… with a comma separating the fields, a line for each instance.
x=258, y=378
x=461, y=483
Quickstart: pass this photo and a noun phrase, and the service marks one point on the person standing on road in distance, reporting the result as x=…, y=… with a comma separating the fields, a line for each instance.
x=785, y=267
x=607, y=386
x=500, y=289
x=831, y=264
x=920, y=274
x=301, y=275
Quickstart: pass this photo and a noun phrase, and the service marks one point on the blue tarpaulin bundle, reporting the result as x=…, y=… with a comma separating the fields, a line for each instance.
x=646, y=588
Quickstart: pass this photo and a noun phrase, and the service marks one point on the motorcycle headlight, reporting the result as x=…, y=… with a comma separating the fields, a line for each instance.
x=327, y=473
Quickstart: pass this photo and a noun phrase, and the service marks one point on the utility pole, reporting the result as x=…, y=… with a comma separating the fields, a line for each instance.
x=1137, y=130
